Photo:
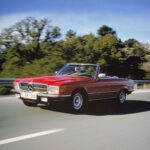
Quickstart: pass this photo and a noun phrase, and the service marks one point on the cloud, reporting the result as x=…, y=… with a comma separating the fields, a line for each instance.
x=83, y=23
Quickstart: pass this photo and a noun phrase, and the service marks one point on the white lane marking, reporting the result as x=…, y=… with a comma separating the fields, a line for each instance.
x=29, y=136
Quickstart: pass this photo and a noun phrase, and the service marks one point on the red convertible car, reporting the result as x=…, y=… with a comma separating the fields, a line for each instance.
x=79, y=83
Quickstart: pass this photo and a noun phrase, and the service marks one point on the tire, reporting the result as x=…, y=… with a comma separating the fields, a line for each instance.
x=78, y=101
x=121, y=98
x=28, y=103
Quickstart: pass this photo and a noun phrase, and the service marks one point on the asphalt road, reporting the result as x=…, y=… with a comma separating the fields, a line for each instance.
x=102, y=127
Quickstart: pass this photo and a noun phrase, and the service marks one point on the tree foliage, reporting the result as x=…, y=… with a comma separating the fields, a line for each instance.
x=70, y=33
x=104, y=30
x=33, y=47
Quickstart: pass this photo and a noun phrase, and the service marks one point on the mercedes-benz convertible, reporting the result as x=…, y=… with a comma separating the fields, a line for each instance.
x=78, y=83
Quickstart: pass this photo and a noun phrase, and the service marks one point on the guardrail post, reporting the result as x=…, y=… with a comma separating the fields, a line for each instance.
x=144, y=86
x=135, y=86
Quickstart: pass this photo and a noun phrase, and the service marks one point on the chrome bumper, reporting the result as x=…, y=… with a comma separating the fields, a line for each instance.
x=40, y=95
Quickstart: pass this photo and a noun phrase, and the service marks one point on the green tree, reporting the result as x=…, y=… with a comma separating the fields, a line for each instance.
x=22, y=43
x=70, y=34
x=134, y=48
x=104, y=30
x=33, y=47
x=131, y=43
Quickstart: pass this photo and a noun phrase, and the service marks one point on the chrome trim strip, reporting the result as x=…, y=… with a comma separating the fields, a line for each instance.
x=48, y=95
x=101, y=99
x=105, y=85
x=81, y=64
x=103, y=92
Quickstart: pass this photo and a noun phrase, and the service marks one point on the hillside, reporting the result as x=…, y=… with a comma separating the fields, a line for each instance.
x=146, y=45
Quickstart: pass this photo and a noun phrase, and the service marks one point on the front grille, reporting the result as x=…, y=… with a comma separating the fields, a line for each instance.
x=28, y=86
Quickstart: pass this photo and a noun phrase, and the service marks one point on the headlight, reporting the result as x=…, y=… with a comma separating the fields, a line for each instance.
x=16, y=85
x=53, y=89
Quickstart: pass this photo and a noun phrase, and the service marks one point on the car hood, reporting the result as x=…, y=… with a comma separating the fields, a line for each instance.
x=55, y=80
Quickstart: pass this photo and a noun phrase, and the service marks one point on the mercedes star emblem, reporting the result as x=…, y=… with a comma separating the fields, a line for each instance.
x=30, y=87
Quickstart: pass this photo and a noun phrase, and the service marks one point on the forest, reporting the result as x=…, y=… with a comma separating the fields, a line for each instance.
x=33, y=47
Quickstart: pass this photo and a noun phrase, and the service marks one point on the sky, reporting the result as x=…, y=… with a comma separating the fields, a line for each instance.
x=129, y=18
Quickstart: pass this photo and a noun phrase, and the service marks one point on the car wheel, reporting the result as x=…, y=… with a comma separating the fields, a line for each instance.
x=28, y=103
x=121, y=97
x=78, y=102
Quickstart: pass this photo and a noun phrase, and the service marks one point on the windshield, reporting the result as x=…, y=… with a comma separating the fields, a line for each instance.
x=87, y=70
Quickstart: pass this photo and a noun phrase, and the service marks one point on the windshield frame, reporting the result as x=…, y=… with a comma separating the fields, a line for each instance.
x=97, y=69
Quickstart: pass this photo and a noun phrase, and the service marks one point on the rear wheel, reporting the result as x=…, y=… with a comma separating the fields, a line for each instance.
x=121, y=97
x=29, y=103
x=78, y=101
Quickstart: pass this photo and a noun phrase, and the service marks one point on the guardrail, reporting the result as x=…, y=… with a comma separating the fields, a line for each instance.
x=6, y=81
x=139, y=84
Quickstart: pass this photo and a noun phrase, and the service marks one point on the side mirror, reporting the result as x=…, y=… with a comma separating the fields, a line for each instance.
x=102, y=75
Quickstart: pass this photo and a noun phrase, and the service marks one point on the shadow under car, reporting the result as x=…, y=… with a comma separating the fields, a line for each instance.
x=103, y=107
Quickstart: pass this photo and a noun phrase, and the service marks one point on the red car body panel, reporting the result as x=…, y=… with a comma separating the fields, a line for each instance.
x=54, y=80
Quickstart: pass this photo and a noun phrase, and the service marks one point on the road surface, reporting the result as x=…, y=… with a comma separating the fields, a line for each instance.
x=102, y=127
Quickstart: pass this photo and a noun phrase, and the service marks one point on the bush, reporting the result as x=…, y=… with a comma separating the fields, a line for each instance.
x=5, y=90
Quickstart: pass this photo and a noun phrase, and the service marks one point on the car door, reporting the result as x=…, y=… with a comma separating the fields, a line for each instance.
x=104, y=88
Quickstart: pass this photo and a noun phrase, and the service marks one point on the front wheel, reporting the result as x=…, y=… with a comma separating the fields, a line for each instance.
x=78, y=102
x=121, y=98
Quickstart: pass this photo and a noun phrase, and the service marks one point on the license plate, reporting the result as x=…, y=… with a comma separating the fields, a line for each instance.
x=44, y=99
x=28, y=95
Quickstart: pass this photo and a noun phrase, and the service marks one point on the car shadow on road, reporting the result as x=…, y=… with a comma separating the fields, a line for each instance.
x=130, y=107
x=104, y=108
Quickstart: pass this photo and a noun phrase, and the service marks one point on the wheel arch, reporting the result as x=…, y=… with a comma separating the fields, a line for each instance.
x=82, y=90
x=126, y=90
